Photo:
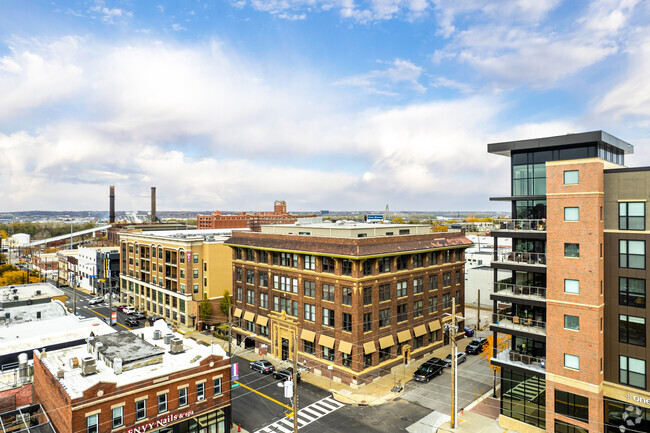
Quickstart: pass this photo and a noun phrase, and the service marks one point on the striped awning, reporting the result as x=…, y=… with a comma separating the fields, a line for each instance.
x=434, y=326
x=262, y=321
x=326, y=341
x=249, y=316
x=237, y=312
x=369, y=347
x=308, y=335
x=403, y=336
x=420, y=330
x=386, y=341
x=345, y=347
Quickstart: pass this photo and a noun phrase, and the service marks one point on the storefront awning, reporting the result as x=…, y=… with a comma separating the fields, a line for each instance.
x=237, y=312
x=262, y=321
x=369, y=347
x=420, y=330
x=403, y=336
x=387, y=341
x=434, y=326
x=308, y=335
x=249, y=316
x=345, y=347
x=326, y=341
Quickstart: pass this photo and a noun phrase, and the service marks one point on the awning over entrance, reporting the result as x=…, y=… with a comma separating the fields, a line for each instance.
x=420, y=330
x=326, y=341
x=386, y=341
x=434, y=326
x=237, y=312
x=249, y=316
x=369, y=347
x=262, y=321
x=345, y=347
x=308, y=335
x=403, y=336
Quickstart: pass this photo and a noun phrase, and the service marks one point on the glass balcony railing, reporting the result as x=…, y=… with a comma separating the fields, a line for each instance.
x=521, y=360
x=538, y=259
x=517, y=323
x=519, y=290
x=533, y=225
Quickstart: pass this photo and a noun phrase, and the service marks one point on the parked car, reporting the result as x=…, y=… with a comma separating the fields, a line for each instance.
x=428, y=370
x=476, y=346
x=95, y=300
x=132, y=322
x=460, y=358
x=128, y=310
x=264, y=367
x=469, y=332
x=285, y=374
x=152, y=319
x=139, y=316
x=121, y=307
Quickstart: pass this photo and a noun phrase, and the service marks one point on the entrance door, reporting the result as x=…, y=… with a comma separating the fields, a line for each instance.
x=285, y=349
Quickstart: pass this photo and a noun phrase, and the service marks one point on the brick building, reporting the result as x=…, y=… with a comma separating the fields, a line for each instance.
x=253, y=221
x=575, y=357
x=129, y=383
x=358, y=299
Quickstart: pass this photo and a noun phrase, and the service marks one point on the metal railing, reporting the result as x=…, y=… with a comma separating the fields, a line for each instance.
x=519, y=289
x=520, y=323
x=521, y=359
x=522, y=258
x=536, y=225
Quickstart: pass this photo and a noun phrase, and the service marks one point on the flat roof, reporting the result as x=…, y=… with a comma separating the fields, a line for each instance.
x=207, y=235
x=128, y=347
x=29, y=291
x=601, y=137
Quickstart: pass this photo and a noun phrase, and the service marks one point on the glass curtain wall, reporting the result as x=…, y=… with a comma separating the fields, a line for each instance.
x=523, y=397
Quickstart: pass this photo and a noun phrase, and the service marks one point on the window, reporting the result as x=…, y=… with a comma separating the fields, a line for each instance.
x=264, y=330
x=328, y=292
x=418, y=260
x=141, y=409
x=571, y=250
x=401, y=288
x=310, y=312
x=328, y=353
x=347, y=322
x=195, y=289
x=402, y=313
x=308, y=346
x=328, y=264
x=239, y=293
x=367, y=267
x=384, y=264
x=446, y=301
x=417, y=285
x=196, y=257
x=572, y=322
x=162, y=403
x=195, y=273
x=417, y=308
x=631, y=292
x=264, y=279
x=250, y=277
x=182, y=273
x=572, y=361
x=384, y=292
x=572, y=286
x=446, y=279
x=250, y=297
x=118, y=416
x=384, y=317
x=631, y=254
x=433, y=258
x=182, y=396
x=457, y=277
x=263, y=256
x=328, y=317
x=632, y=371
x=631, y=330
x=631, y=216
x=571, y=214
x=367, y=322
x=310, y=263
x=250, y=255
x=238, y=274
x=264, y=300
x=446, y=257
x=402, y=262
x=200, y=391
x=346, y=359
x=289, y=259
x=367, y=360
x=572, y=405
x=433, y=282
x=310, y=289
x=346, y=267
x=367, y=295
x=433, y=304
x=571, y=177
x=92, y=423
x=565, y=427
x=216, y=386
x=346, y=297
x=384, y=354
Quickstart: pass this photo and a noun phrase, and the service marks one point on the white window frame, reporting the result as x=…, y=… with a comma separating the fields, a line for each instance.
x=572, y=286
x=216, y=385
x=119, y=416
x=568, y=180
x=200, y=391
x=182, y=397
x=571, y=361
x=162, y=404
x=572, y=213
x=92, y=423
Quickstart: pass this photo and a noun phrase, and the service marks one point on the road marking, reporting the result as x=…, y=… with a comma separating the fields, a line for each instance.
x=100, y=314
x=264, y=395
x=306, y=416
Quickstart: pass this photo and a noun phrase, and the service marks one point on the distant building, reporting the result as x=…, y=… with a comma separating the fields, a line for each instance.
x=252, y=221
x=93, y=262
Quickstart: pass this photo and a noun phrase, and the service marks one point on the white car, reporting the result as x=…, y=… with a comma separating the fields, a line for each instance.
x=128, y=310
x=96, y=300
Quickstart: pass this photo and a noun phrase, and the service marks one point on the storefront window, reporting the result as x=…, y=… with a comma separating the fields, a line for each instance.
x=620, y=417
x=523, y=397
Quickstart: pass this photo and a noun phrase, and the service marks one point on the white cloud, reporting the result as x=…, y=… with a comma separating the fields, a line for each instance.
x=109, y=15
x=177, y=27
x=383, y=81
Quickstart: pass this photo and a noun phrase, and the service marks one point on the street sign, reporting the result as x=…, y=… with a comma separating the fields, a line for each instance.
x=235, y=371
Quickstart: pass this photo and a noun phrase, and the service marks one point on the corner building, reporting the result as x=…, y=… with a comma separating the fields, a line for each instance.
x=571, y=344
x=358, y=299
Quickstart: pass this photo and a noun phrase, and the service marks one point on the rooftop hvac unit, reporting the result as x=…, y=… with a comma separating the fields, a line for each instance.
x=74, y=363
x=23, y=368
x=117, y=365
x=168, y=338
x=14, y=290
x=60, y=373
x=157, y=335
x=16, y=297
x=98, y=346
x=38, y=292
x=176, y=345
x=89, y=346
x=88, y=366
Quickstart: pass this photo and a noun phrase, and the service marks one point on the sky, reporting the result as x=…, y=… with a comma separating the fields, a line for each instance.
x=327, y=104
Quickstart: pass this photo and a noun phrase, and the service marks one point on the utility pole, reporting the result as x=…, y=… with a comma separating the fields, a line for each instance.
x=74, y=292
x=230, y=332
x=452, y=337
x=478, y=322
x=107, y=273
x=295, y=384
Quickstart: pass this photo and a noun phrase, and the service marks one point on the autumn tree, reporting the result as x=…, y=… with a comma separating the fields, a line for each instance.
x=226, y=303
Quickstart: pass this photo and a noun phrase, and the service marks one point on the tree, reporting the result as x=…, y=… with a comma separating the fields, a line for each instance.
x=397, y=220
x=205, y=309
x=226, y=303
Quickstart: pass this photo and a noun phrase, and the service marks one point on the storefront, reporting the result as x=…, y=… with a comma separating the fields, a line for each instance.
x=212, y=422
x=523, y=397
x=629, y=417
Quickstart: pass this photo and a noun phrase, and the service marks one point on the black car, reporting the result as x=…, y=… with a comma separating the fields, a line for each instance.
x=139, y=316
x=132, y=322
x=476, y=346
x=152, y=319
x=430, y=369
x=264, y=367
x=285, y=374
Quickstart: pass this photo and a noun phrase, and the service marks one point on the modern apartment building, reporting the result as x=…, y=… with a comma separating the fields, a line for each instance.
x=169, y=273
x=574, y=354
x=356, y=298
x=253, y=221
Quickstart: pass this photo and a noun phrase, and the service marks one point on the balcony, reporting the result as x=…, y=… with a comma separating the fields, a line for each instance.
x=522, y=258
x=506, y=322
x=520, y=291
x=521, y=360
x=537, y=225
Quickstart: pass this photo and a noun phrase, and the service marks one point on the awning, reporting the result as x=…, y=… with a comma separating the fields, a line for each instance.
x=385, y=342
x=403, y=336
x=420, y=330
x=308, y=335
x=326, y=341
x=262, y=321
x=434, y=326
x=369, y=347
x=249, y=316
x=345, y=347
x=237, y=312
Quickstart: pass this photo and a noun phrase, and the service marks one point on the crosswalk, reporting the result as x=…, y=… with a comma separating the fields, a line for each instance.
x=306, y=415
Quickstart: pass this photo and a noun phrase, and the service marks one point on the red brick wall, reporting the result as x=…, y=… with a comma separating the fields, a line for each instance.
x=17, y=397
x=54, y=399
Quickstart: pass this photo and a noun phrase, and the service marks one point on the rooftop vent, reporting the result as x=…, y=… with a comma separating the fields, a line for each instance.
x=157, y=335
x=16, y=297
x=98, y=346
x=168, y=338
x=60, y=374
x=176, y=345
x=74, y=363
x=117, y=365
x=38, y=292
x=88, y=366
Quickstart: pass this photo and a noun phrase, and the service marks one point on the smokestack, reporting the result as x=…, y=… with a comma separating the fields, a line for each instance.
x=111, y=218
x=153, y=204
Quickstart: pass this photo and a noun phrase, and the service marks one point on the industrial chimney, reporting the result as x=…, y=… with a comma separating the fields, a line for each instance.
x=153, y=204
x=111, y=217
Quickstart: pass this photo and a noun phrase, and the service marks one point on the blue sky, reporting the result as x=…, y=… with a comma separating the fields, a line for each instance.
x=327, y=104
